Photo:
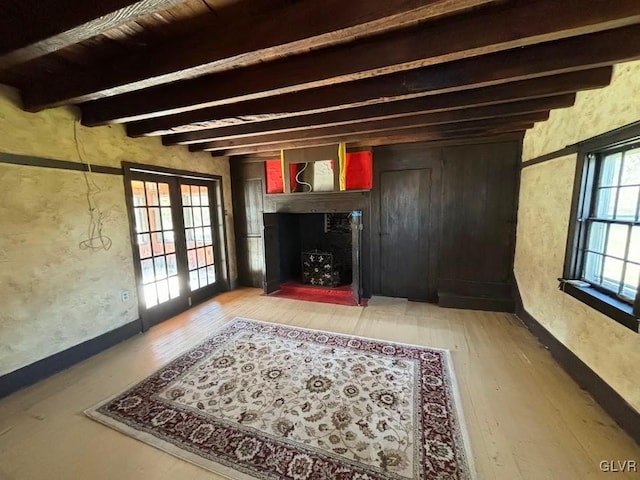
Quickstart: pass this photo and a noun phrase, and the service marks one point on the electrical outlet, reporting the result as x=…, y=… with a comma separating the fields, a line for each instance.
x=124, y=295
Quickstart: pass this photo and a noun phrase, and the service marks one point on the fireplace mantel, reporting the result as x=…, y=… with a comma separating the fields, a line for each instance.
x=317, y=202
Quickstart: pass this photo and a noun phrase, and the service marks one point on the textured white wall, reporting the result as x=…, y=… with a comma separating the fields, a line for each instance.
x=595, y=112
x=52, y=294
x=610, y=349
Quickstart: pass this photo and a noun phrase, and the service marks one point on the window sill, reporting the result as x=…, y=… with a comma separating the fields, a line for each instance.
x=611, y=307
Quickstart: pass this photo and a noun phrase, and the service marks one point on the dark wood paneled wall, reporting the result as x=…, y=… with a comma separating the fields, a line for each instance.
x=479, y=195
x=439, y=224
x=469, y=217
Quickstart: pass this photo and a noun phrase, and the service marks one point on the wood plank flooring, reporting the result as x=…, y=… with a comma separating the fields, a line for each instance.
x=527, y=419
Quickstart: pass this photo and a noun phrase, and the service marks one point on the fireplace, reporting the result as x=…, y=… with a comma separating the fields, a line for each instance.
x=316, y=254
x=315, y=248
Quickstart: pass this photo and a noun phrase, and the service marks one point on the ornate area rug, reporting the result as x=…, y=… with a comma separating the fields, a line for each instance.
x=264, y=401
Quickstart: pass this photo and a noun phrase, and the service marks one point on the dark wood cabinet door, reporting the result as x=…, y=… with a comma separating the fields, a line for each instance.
x=249, y=231
x=404, y=237
x=272, y=253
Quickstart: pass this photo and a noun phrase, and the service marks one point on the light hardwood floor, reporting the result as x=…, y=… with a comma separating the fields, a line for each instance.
x=526, y=418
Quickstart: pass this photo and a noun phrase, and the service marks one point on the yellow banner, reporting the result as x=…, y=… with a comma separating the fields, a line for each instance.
x=284, y=182
x=342, y=157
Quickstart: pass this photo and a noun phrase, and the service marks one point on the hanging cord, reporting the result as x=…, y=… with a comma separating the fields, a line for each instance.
x=96, y=240
x=298, y=177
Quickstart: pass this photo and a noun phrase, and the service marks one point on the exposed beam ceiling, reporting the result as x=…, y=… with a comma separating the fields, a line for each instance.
x=301, y=27
x=450, y=140
x=573, y=54
x=437, y=120
x=406, y=110
x=407, y=135
x=51, y=30
x=450, y=39
x=246, y=76
x=525, y=89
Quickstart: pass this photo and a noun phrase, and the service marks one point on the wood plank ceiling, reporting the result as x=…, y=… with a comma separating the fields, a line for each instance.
x=239, y=77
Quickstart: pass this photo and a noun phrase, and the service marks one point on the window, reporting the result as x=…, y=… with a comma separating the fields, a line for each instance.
x=611, y=257
x=605, y=244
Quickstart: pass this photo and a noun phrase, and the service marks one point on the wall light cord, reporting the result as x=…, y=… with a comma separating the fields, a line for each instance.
x=96, y=239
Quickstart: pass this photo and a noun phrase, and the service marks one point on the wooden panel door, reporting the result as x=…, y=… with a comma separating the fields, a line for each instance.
x=404, y=236
x=272, y=253
x=249, y=231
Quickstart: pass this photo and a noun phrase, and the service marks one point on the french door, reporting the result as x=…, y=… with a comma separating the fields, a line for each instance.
x=177, y=243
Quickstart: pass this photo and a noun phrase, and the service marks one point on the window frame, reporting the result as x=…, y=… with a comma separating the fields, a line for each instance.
x=590, y=155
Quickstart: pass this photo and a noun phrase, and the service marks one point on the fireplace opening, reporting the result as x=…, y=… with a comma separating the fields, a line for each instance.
x=315, y=254
x=316, y=249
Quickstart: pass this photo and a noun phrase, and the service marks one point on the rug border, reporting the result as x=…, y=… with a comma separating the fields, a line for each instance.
x=227, y=472
x=438, y=349
x=167, y=447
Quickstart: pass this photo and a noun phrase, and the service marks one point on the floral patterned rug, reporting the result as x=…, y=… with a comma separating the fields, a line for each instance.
x=265, y=401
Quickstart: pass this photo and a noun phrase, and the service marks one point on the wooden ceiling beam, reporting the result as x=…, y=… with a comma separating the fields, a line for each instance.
x=436, y=120
x=346, y=137
x=517, y=135
x=300, y=27
x=519, y=90
x=475, y=33
x=452, y=140
x=550, y=58
x=54, y=25
x=370, y=115
x=421, y=134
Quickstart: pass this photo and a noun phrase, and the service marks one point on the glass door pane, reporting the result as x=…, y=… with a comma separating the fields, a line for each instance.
x=176, y=234
x=155, y=237
x=199, y=237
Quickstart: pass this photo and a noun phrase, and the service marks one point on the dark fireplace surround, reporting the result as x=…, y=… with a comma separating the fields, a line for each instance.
x=301, y=221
